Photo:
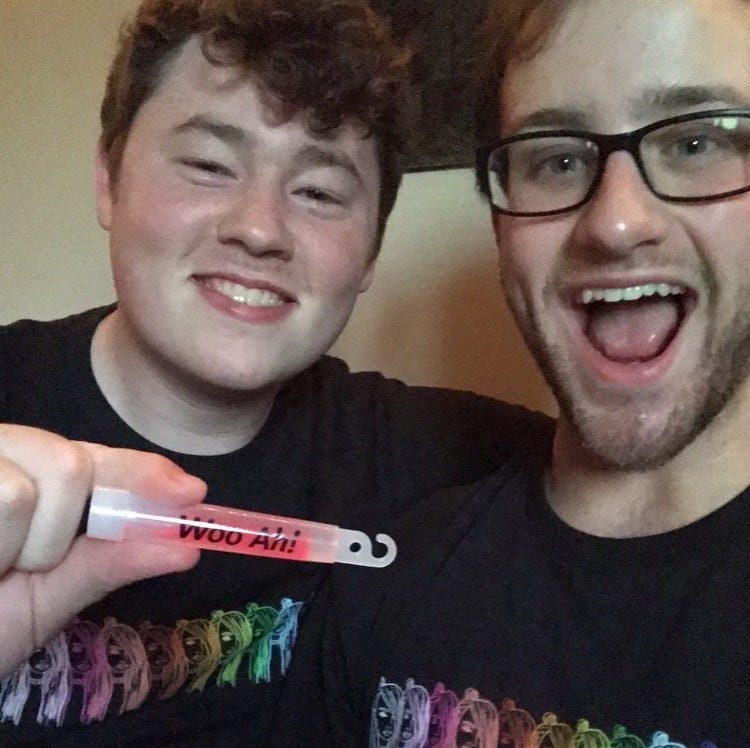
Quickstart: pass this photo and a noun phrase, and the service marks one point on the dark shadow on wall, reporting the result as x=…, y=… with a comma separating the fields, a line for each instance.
x=443, y=35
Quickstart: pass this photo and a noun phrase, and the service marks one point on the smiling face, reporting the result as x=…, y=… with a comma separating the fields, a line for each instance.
x=238, y=244
x=638, y=375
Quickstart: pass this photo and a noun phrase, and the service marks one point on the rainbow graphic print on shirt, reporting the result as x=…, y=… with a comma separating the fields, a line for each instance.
x=115, y=667
x=410, y=716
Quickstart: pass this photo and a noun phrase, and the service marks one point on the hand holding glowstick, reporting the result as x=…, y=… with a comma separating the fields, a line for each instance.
x=116, y=514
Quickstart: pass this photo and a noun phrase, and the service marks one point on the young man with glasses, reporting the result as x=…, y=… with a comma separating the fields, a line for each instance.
x=595, y=593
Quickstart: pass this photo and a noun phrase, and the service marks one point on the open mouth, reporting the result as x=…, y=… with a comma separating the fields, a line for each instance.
x=633, y=324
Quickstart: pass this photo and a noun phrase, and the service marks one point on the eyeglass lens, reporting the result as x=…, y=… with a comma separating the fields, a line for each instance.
x=694, y=159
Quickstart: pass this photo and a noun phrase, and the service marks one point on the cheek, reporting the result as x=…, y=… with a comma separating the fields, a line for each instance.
x=339, y=258
x=720, y=234
x=533, y=254
x=148, y=223
x=517, y=269
x=151, y=212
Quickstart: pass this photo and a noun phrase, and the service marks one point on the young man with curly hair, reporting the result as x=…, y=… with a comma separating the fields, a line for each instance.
x=249, y=158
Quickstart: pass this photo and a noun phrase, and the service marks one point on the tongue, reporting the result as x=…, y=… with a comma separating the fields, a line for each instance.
x=630, y=331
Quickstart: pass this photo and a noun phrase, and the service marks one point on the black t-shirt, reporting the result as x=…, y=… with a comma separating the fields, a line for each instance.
x=500, y=621
x=196, y=658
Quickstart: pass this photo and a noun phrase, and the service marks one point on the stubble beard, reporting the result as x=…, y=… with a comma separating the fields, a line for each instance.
x=624, y=435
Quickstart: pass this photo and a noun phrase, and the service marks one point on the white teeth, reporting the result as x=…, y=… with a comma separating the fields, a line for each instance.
x=629, y=293
x=248, y=296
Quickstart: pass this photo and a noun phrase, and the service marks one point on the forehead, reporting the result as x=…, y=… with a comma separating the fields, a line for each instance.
x=613, y=65
x=192, y=87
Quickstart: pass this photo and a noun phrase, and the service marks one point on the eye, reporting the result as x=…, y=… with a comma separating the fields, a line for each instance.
x=698, y=145
x=694, y=144
x=212, y=167
x=552, y=163
x=563, y=163
x=205, y=171
x=318, y=195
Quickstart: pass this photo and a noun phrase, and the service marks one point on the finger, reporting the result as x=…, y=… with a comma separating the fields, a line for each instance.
x=93, y=569
x=62, y=472
x=65, y=472
x=149, y=475
x=34, y=607
x=17, y=502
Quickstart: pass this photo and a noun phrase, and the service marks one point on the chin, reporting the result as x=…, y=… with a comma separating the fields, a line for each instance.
x=633, y=440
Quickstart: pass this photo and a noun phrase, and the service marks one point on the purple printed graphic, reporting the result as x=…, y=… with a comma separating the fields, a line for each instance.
x=48, y=669
x=386, y=715
x=415, y=718
x=114, y=668
x=443, y=718
x=406, y=717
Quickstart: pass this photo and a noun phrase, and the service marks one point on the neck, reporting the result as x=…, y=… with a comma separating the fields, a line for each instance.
x=169, y=409
x=609, y=502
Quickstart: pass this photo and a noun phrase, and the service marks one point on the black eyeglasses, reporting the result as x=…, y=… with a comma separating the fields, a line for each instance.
x=690, y=158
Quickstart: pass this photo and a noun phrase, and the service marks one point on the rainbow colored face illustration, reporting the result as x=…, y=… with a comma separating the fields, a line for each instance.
x=196, y=649
x=478, y=721
x=202, y=647
x=386, y=715
x=622, y=739
x=443, y=717
x=117, y=658
x=166, y=659
x=80, y=654
x=155, y=642
x=40, y=662
x=415, y=717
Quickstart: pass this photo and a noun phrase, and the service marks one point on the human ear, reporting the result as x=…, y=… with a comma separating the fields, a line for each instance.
x=102, y=188
x=368, y=277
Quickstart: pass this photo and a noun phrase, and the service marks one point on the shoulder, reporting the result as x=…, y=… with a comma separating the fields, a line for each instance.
x=416, y=440
x=418, y=410
x=34, y=352
x=26, y=335
x=445, y=543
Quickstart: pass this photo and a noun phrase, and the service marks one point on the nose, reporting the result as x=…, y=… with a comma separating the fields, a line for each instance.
x=254, y=219
x=623, y=214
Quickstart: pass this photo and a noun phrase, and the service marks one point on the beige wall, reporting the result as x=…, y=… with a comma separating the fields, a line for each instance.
x=434, y=314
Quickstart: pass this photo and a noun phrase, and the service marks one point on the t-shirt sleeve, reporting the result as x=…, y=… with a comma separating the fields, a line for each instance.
x=453, y=438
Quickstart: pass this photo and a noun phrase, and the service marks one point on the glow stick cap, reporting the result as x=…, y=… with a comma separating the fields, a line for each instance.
x=112, y=509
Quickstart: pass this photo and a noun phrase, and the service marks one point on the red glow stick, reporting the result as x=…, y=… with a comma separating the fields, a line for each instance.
x=116, y=514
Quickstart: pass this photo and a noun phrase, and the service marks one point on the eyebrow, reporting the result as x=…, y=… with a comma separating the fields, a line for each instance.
x=558, y=117
x=230, y=134
x=653, y=101
x=680, y=97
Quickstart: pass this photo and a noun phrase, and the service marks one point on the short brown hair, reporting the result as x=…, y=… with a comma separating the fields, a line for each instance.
x=512, y=30
x=334, y=60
